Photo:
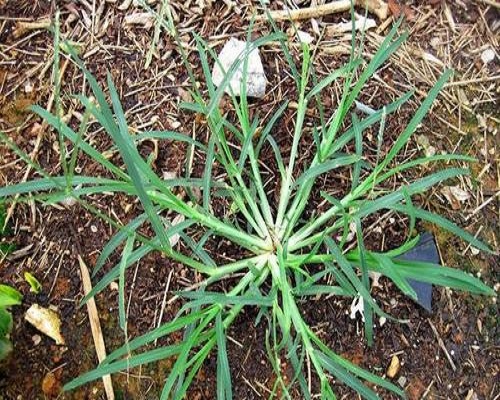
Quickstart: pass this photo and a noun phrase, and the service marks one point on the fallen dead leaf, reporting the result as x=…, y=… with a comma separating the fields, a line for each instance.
x=46, y=321
x=23, y=27
x=397, y=9
x=375, y=276
x=174, y=239
x=424, y=142
x=455, y=196
x=415, y=389
x=51, y=386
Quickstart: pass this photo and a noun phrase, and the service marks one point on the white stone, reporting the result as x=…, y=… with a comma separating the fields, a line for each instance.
x=402, y=381
x=256, y=79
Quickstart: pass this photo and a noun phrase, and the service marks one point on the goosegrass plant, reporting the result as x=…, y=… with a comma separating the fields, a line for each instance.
x=293, y=256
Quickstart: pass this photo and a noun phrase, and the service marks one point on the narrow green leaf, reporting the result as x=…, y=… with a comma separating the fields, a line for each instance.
x=314, y=172
x=118, y=239
x=445, y=224
x=224, y=386
x=121, y=283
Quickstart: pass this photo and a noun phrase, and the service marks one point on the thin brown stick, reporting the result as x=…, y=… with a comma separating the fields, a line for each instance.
x=377, y=7
x=441, y=344
x=95, y=326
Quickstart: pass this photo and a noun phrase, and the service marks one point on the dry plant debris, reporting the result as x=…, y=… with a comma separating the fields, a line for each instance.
x=377, y=7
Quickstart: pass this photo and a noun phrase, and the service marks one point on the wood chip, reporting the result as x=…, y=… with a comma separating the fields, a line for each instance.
x=394, y=367
x=144, y=18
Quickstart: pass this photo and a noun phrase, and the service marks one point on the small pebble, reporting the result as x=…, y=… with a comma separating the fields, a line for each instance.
x=36, y=339
x=487, y=55
x=93, y=228
x=175, y=124
x=28, y=87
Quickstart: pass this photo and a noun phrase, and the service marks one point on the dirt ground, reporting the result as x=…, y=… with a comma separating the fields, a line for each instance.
x=112, y=37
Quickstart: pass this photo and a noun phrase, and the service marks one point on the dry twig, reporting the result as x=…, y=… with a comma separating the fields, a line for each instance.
x=377, y=7
x=23, y=26
x=441, y=344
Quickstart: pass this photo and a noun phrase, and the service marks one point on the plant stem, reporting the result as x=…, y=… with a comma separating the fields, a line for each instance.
x=246, y=240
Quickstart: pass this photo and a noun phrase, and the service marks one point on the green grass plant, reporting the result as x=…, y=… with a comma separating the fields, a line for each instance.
x=291, y=254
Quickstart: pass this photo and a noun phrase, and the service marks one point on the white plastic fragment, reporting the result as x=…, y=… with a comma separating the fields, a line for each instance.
x=357, y=306
x=46, y=321
x=361, y=24
x=256, y=79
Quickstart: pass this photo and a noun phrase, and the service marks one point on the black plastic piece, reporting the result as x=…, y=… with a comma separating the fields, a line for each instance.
x=425, y=251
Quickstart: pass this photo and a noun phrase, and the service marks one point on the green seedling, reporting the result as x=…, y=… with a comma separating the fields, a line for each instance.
x=35, y=285
x=8, y=297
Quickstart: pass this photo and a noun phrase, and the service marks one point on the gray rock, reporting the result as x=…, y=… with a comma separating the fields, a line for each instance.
x=256, y=79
